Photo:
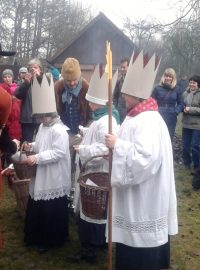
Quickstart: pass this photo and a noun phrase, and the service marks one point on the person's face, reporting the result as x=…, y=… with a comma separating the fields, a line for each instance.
x=130, y=101
x=71, y=83
x=22, y=75
x=94, y=106
x=124, y=67
x=45, y=119
x=193, y=85
x=8, y=79
x=168, y=79
x=34, y=69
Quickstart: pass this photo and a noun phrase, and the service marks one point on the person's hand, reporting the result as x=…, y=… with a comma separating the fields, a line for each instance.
x=110, y=140
x=82, y=130
x=77, y=139
x=35, y=71
x=31, y=160
x=76, y=147
x=8, y=171
x=27, y=147
x=28, y=77
x=186, y=110
x=17, y=143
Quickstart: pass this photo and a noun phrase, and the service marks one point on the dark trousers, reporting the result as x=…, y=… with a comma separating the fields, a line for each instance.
x=132, y=258
x=170, y=120
x=191, y=146
x=28, y=131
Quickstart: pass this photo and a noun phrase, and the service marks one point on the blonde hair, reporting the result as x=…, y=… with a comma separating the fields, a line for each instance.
x=171, y=72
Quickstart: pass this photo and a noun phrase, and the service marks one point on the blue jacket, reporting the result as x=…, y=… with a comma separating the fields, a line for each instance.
x=169, y=100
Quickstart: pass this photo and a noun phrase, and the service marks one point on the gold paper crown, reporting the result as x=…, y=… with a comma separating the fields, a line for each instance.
x=43, y=96
x=140, y=76
x=98, y=87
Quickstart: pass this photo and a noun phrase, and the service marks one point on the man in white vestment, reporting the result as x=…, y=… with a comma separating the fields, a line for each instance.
x=143, y=187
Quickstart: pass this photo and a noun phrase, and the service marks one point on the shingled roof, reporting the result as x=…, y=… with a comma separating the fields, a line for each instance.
x=89, y=45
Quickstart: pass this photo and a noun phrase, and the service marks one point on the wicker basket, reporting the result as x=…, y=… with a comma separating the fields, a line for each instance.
x=21, y=191
x=94, y=199
x=23, y=170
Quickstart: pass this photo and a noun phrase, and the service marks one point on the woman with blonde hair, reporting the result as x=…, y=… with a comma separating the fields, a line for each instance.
x=169, y=98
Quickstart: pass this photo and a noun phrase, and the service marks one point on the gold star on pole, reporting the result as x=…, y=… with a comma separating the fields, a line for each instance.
x=108, y=68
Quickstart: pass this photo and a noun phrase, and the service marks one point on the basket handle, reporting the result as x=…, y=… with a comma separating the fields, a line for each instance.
x=86, y=162
x=21, y=149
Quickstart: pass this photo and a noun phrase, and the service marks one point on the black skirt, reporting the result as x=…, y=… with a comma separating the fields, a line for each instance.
x=46, y=222
x=91, y=233
x=131, y=258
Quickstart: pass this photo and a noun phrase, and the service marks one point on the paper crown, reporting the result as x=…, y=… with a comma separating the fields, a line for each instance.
x=140, y=76
x=98, y=87
x=43, y=96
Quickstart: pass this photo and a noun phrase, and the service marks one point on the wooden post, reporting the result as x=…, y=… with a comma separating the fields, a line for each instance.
x=109, y=76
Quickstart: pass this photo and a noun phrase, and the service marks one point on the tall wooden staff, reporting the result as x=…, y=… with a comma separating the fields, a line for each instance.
x=109, y=77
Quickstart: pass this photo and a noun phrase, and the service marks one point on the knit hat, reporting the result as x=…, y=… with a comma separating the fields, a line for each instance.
x=5, y=106
x=35, y=61
x=23, y=70
x=98, y=87
x=7, y=72
x=71, y=70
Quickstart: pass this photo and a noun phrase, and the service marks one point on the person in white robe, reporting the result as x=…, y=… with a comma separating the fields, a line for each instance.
x=92, y=231
x=46, y=221
x=144, y=202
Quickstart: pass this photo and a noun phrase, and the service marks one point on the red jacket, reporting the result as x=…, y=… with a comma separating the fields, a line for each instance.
x=13, y=123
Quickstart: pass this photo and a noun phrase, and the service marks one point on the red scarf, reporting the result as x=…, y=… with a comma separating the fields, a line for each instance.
x=149, y=104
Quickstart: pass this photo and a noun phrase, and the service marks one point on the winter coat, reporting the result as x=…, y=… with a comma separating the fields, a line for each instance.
x=13, y=123
x=83, y=106
x=119, y=101
x=191, y=119
x=170, y=104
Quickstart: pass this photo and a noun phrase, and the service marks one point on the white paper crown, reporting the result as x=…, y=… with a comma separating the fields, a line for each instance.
x=98, y=87
x=43, y=96
x=140, y=76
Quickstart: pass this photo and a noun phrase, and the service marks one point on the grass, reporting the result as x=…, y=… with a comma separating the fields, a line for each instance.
x=16, y=256
x=185, y=247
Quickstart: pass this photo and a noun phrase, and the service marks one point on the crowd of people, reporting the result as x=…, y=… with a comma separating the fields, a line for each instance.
x=63, y=121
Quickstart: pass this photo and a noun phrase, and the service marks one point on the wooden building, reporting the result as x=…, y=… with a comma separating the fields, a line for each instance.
x=89, y=46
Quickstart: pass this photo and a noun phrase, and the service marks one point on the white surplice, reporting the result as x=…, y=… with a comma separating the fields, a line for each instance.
x=144, y=196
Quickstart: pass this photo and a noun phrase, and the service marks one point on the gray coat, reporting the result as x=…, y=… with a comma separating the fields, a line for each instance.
x=191, y=119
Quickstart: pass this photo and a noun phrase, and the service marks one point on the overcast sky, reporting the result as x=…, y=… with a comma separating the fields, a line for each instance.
x=117, y=10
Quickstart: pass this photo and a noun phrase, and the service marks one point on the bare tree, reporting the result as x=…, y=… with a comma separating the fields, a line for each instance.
x=40, y=27
x=178, y=41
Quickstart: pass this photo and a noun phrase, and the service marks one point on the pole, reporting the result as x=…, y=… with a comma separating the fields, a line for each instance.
x=109, y=76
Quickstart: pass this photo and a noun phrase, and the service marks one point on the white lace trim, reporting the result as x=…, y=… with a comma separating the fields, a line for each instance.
x=150, y=226
x=49, y=194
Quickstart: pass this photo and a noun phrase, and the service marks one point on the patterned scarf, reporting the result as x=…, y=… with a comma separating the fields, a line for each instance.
x=149, y=104
x=68, y=92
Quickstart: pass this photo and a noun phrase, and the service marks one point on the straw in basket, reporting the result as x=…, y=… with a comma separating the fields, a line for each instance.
x=94, y=199
x=22, y=169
